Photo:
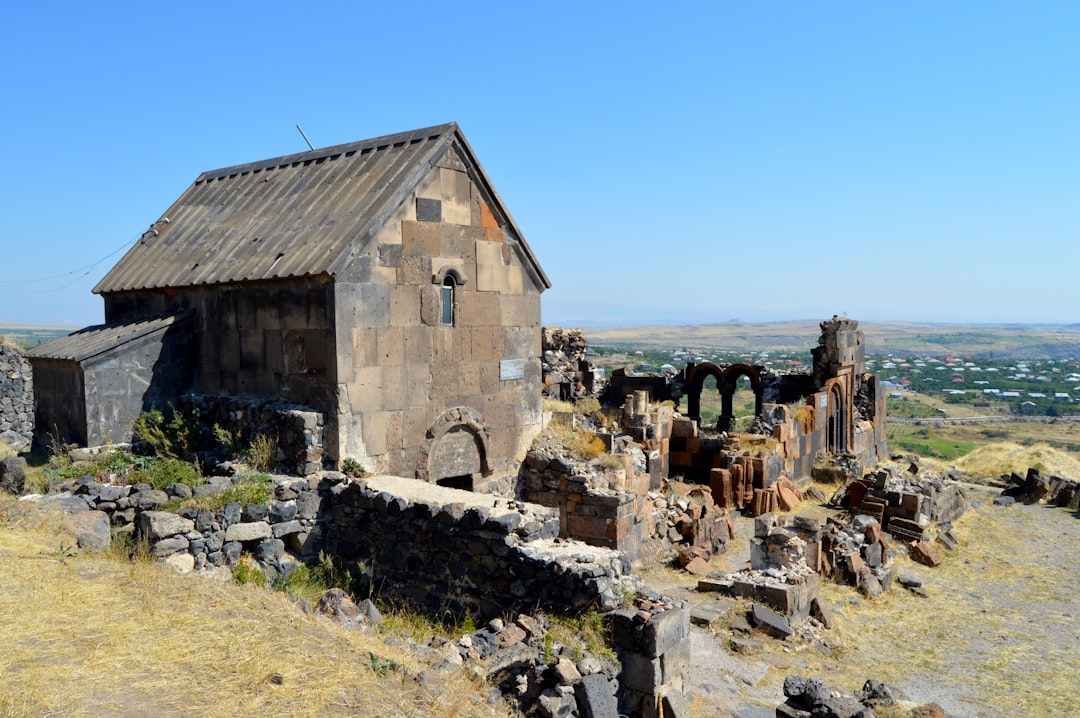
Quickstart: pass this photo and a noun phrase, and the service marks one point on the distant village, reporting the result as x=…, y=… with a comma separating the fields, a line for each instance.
x=1038, y=387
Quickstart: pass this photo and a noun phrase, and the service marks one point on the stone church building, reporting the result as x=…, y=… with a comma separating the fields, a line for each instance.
x=382, y=283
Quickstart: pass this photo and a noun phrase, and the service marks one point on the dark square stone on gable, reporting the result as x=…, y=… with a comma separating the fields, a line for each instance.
x=428, y=210
x=390, y=255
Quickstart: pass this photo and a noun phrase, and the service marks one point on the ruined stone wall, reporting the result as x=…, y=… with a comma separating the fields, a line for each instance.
x=16, y=398
x=568, y=373
x=298, y=431
x=654, y=653
x=197, y=538
x=621, y=519
x=446, y=551
x=442, y=551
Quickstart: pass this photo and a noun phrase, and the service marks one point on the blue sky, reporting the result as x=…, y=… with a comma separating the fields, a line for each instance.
x=684, y=162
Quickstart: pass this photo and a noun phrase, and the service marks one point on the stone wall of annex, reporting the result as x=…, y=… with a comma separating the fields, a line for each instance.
x=16, y=397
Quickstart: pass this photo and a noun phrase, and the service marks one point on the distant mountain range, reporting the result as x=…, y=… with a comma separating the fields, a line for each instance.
x=999, y=341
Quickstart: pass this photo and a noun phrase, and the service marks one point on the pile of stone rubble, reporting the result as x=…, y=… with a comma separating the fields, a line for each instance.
x=694, y=526
x=908, y=503
x=1034, y=488
x=812, y=698
x=529, y=667
x=568, y=374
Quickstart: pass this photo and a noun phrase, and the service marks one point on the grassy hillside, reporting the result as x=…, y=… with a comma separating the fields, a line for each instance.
x=94, y=635
x=1003, y=341
x=30, y=335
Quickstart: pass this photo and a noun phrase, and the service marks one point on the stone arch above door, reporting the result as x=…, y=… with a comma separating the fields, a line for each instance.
x=456, y=444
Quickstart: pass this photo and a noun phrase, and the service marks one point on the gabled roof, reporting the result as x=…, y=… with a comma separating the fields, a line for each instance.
x=102, y=338
x=294, y=216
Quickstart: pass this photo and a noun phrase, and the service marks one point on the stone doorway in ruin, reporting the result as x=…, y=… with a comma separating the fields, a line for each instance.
x=836, y=441
x=455, y=452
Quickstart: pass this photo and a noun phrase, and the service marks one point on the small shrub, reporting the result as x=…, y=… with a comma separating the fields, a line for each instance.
x=352, y=467
x=225, y=439
x=556, y=405
x=161, y=472
x=263, y=452
x=175, y=438
x=255, y=489
x=805, y=417
x=247, y=571
x=610, y=461
x=588, y=405
x=586, y=445
x=585, y=630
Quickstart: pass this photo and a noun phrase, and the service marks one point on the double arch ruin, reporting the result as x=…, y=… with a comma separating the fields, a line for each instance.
x=726, y=384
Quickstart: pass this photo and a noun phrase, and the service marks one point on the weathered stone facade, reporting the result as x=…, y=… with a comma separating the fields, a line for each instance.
x=16, y=398
x=91, y=386
x=380, y=283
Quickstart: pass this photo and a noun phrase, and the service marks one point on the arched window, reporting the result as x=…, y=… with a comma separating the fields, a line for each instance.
x=448, y=279
x=448, y=286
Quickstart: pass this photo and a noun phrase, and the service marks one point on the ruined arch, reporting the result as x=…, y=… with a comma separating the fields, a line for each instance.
x=837, y=430
x=726, y=378
x=455, y=450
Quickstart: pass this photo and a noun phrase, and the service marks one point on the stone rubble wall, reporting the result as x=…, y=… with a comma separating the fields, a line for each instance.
x=190, y=538
x=1033, y=488
x=906, y=505
x=654, y=651
x=298, y=430
x=16, y=398
x=447, y=551
x=437, y=549
x=622, y=519
x=567, y=373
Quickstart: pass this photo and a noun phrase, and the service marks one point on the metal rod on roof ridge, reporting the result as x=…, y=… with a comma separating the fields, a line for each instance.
x=305, y=137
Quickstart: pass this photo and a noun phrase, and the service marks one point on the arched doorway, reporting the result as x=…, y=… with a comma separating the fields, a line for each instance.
x=455, y=451
x=836, y=441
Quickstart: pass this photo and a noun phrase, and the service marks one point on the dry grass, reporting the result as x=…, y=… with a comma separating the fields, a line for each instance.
x=998, y=631
x=1001, y=458
x=6, y=450
x=90, y=636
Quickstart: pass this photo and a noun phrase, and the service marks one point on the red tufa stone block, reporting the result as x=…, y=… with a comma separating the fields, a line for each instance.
x=720, y=482
x=925, y=553
x=698, y=566
x=873, y=534
x=854, y=563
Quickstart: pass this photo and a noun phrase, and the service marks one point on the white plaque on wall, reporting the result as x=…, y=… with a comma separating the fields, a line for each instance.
x=511, y=369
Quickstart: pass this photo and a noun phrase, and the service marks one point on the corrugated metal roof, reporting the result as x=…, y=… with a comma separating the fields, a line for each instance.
x=292, y=216
x=96, y=340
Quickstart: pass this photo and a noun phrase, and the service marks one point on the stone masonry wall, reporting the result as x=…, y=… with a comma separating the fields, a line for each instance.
x=191, y=538
x=437, y=549
x=447, y=551
x=619, y=519
x=298, y=430
x=16, y=398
